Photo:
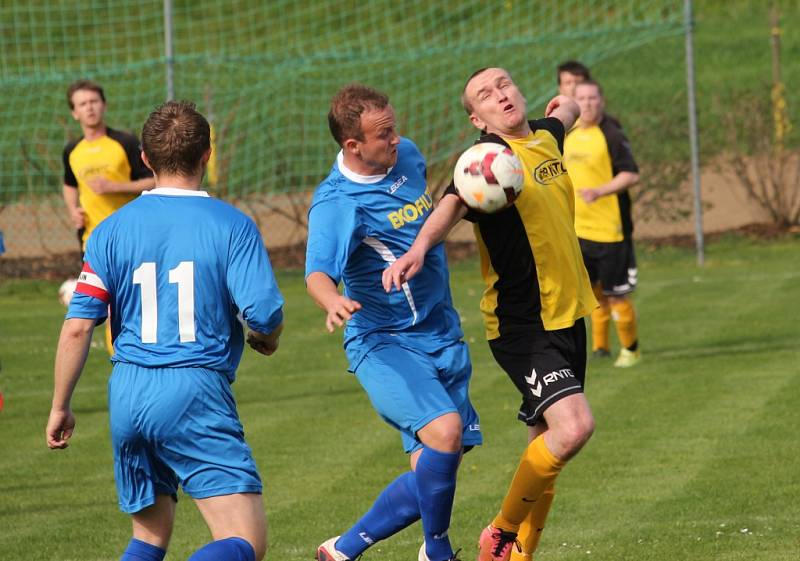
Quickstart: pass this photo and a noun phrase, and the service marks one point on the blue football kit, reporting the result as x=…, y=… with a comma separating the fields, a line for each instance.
x=405, y=345
x=180, y=272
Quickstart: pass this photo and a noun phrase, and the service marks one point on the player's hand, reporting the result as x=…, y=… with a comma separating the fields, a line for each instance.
x=340, y=310
x=59, y=428
x=403, y=269
x=261, y=343
x=555, y=103
x=78, y=217
x=101, y=185
x=589, y=195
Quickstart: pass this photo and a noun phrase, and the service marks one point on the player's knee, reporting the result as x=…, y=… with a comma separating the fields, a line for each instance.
x=572, y=436
x=443, y=434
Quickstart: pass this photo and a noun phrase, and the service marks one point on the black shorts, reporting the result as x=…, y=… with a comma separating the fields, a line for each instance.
x=545, y=367
x=612, y=264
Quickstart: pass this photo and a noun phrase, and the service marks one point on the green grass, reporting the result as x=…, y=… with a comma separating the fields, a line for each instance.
x=694, y=458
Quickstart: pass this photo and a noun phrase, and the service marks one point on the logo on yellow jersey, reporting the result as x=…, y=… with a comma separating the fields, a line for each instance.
x=548, y=171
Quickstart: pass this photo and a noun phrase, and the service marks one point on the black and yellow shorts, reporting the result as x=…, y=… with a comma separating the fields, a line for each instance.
x=545, y=367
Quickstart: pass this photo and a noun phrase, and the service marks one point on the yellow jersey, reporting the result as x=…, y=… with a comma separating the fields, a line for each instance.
x=531, y=262
x=114, y=156
x=593, y=156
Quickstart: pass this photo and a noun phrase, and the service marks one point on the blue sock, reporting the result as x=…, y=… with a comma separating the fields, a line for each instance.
x=395, y=508
x=138, y=550
x=229, y=549
x=436, y=482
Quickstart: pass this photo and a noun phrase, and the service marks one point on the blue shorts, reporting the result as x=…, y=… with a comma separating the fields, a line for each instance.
x=409, y=388
x=176, y=426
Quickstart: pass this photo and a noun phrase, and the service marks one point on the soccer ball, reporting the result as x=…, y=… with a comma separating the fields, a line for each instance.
x=65, y=291
x=488, y=177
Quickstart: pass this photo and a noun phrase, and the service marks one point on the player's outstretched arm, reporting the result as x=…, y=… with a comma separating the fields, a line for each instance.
x=339, y=308
x=564, y=109
x=265, y=343
x=449, y=211
x=103, y=186
x=73, y=346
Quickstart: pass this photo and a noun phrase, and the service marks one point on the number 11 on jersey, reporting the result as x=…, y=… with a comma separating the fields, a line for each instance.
x=183, y=276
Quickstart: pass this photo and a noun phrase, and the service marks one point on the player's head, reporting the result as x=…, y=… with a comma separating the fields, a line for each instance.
x=87, y=101
x=570, y=74
x=176, y=140
x=589, y=97
x=494, y=103
x=362, y=121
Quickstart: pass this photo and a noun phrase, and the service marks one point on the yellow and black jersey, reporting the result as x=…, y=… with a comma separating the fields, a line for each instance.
x=530, y=258
x=114, y=156
x=593, y=156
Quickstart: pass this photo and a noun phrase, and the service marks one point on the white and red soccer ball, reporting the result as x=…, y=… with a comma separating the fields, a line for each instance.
x=65, y=291
x=488, y=177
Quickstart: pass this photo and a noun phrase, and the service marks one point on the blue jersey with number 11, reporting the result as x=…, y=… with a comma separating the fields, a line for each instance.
x=178, y=269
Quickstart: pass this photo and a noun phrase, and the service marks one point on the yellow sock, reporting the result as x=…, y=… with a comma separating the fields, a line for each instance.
x=530, y=531
x=601, y=316
x=109, y=344
x=625, y=318
x=537, y=470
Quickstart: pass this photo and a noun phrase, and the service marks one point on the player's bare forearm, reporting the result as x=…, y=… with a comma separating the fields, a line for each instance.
x=339, y=308
x=72, y=202
x=139, y=185
x=103, y=186
x=73, y=346
x=564, y=109
x=447, y=213
x=618, y=183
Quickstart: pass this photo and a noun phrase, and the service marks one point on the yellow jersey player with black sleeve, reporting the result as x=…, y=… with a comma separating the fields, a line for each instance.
x=600, y=162
x=537, y=294
x=115, y=157
x=594, y=155
x=534, y=236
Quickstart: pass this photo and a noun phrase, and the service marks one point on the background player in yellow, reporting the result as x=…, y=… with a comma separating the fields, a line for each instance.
x=103, y=169
x=537, y=294
x=602, y=168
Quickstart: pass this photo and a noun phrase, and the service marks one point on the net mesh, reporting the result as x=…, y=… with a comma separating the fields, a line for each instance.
x=264, y=73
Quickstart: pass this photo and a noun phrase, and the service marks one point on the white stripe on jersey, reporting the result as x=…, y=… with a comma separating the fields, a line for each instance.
x=389, y=257
x=87, y=277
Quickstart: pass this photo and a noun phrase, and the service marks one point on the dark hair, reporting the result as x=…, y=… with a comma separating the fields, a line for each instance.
x=573, y=67
x=464, y=101
x=591, y=82
x=175, y=137
x=84, y=84
x=344, y=117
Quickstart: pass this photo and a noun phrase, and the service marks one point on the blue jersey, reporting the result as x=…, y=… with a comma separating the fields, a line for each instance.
x=357, y=226
x=179, y=270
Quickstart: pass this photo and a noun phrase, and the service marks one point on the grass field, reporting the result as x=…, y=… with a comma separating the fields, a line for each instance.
x=695, y=455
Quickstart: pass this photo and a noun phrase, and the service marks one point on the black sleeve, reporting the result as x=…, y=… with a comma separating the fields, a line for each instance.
x=134, y=152
x=69, y=176
x=474, y=216
x=618, y=148
x=553, y=126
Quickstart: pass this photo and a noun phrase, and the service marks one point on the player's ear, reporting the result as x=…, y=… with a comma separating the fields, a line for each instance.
x=351, y=145
x=206, y=157
x=146, y=162
x=478, y=123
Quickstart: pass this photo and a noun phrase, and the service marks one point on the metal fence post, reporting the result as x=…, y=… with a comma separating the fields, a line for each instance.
x=693, y=140
x=168, y=50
